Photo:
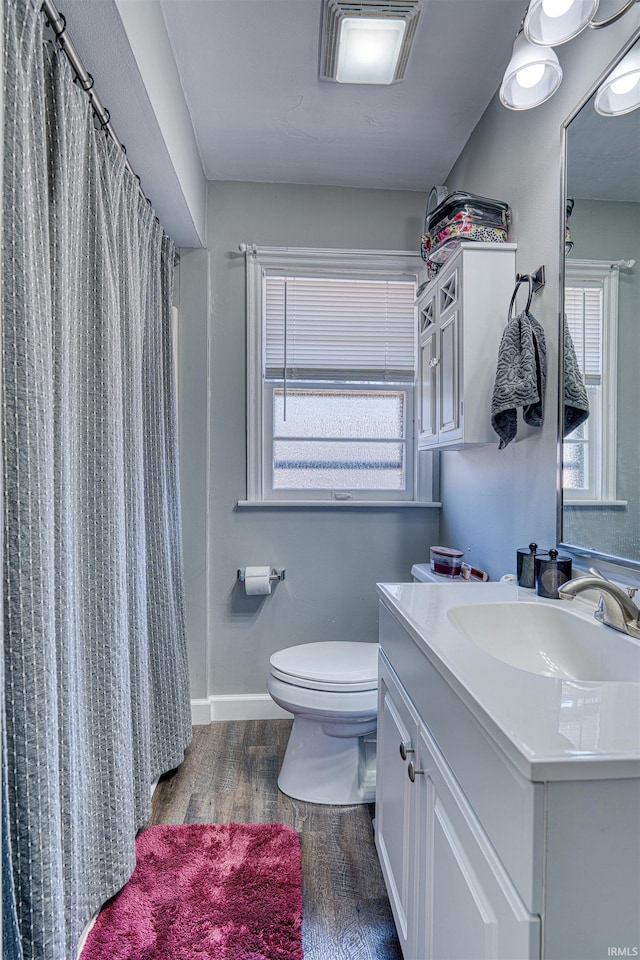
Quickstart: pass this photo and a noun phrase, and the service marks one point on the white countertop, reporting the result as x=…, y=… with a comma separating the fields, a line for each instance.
x=550, y=728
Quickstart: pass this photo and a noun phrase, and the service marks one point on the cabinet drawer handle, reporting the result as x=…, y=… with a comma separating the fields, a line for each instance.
x=412, y=773
x=405, y=749
x=434, y=361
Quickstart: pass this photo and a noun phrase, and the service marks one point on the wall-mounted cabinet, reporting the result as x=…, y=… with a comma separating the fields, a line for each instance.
x=461, y=315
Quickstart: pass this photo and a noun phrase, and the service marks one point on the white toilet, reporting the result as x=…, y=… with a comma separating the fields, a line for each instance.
x=331, y=688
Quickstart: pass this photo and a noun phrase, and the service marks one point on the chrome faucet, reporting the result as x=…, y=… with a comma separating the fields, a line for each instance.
x=615, y=608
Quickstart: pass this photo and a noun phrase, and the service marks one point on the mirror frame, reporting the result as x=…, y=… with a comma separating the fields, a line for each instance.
x=576, y=550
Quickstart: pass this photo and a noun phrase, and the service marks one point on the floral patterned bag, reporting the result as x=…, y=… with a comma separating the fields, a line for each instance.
x=462, y=217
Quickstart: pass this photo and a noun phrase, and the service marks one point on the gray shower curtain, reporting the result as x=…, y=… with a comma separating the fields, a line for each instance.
x=95, y=675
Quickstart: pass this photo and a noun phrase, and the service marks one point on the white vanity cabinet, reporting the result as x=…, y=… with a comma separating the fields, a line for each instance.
x=461, y=316
x=397, y=738
x=507, y=805
x=450, y=895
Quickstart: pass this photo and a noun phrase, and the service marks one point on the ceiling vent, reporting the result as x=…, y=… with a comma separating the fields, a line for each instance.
x=340, y=13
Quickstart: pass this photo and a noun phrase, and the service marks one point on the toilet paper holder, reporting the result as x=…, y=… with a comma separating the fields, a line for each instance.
x=274, y=576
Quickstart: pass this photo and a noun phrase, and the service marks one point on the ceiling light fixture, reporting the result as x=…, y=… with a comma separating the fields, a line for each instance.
x=533, y=75
x=552, y=22
x=367, y=42
x=620, y=92
x=534, y=66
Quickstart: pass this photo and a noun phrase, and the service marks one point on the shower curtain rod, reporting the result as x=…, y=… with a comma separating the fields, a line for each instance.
x=58, y=24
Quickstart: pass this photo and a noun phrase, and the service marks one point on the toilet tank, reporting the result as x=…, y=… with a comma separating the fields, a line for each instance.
x=422, y=573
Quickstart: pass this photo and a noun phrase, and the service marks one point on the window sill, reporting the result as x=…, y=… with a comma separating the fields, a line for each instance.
x=603, y=504
x=341, y=504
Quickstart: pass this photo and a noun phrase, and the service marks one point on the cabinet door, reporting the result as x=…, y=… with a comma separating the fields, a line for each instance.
x=468, y=906
x=449, y=425
x=395, y=799
x=428, y=362
x=449, y=304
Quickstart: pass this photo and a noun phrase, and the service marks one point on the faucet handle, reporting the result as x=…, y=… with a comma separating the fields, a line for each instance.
x=596, y=573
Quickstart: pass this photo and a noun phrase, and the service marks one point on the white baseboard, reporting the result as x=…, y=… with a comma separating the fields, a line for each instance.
x=200, y=713
x=241, y=706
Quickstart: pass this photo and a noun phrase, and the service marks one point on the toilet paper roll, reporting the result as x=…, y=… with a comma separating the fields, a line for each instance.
x=256, y=581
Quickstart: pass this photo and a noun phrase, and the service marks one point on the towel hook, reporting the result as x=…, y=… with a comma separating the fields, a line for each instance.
x=520, y=279
x=535, y=280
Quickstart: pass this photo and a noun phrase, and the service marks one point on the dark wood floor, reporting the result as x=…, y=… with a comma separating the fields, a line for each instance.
x=229, y=774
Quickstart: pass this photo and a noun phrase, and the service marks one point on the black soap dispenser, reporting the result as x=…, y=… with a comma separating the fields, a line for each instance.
x=551, y=573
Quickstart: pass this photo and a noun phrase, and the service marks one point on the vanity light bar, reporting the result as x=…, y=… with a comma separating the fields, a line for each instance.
x=534, y=73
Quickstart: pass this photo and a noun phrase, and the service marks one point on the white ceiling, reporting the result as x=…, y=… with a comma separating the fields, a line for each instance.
x=249, y=75
x=249, y=71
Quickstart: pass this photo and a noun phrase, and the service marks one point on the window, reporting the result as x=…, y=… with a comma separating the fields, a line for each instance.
x=589, y=452
x=331, y=370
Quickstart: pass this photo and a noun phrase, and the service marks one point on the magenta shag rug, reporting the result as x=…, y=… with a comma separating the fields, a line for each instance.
x=230, y=891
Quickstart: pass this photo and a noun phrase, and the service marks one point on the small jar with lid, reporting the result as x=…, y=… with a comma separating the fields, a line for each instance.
x=551, y=573
x=446, y=561
x=525, y=564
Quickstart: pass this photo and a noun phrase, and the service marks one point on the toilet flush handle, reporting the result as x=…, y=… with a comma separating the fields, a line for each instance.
x=406, y=748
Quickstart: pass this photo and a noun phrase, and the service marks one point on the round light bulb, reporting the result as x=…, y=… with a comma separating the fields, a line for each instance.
x=556, y=8
x=529, y=76
x=625, y=84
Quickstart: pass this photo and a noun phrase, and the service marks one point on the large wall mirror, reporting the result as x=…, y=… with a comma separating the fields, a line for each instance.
x=600, y=496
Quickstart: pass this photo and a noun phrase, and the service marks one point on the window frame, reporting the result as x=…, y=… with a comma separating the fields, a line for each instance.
x=340, y=494
x=603, y=421
x=322, y=262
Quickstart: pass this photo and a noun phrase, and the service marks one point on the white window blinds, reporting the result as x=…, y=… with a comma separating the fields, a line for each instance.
x=584, y=311
x=339, y=329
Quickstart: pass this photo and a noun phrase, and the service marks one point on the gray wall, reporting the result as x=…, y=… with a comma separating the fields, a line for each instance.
x=192, y=297
x=333, y=556
x=496, y=501
x=493, y=501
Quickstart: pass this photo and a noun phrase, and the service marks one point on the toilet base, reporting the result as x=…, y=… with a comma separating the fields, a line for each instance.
x=337, y=770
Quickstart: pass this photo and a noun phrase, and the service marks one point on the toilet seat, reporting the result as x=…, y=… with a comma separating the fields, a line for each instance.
x=335, y=666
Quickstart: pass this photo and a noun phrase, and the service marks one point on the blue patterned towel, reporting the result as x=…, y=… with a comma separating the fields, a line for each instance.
x=521, y=376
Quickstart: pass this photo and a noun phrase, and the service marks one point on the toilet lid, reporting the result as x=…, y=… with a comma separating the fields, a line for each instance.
x=332, y=665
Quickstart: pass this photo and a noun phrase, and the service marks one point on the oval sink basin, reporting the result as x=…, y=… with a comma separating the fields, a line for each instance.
x=550, y=641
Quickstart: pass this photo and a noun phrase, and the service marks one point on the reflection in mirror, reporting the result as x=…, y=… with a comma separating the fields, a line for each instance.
x=601, y=454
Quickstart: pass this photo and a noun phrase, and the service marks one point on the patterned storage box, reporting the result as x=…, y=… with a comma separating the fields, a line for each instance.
x=462, y=217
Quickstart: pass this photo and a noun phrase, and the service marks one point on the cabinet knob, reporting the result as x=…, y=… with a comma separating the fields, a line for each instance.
x=412, y=773
x=405, y=748
x=434, y=361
